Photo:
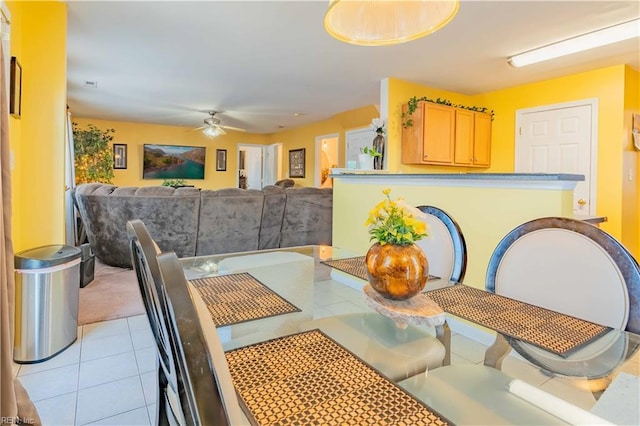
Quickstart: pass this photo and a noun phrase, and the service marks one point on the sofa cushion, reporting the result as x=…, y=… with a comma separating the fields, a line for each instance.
x=307, y=217
x=171, y=216
x=229, y=220
x=272, y=214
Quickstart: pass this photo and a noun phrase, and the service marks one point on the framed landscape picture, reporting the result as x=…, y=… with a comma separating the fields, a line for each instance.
x=296, y=163
x=173, y=162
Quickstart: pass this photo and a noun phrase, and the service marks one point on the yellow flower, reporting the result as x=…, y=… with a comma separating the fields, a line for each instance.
x=396, y=222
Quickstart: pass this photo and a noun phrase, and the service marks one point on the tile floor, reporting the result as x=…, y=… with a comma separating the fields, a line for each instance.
x=107, y=377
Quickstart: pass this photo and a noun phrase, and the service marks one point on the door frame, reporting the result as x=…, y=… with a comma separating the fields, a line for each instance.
x=593, y=167
x=318, y=155
x=277, y=147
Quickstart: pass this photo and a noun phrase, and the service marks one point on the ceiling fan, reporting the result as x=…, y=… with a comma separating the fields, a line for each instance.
x=212, y=126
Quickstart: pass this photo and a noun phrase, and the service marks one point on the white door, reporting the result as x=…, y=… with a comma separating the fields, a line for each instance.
x=270, y=166
x=260, y=165
x=354, y=141
x=560, y=139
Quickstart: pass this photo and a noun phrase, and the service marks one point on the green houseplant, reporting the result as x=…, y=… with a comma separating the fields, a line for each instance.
x=175, y=183
x=92, y=154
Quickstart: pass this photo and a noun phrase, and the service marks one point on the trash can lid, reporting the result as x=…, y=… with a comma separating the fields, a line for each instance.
x=46, y=256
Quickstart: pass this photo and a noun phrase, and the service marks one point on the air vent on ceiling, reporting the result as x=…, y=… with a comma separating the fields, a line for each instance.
x=93, y=84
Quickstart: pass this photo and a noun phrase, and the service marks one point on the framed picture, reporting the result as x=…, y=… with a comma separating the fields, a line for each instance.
x=119, y=156
x=15, y=88
x=296, y=163
x=173, y=161
x=221, y=160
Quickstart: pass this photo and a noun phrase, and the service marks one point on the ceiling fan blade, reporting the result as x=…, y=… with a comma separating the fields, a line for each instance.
x=197, y=128
x=237, y=129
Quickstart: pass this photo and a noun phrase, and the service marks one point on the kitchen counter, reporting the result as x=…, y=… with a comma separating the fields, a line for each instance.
x=504, y=180
x=486, y=206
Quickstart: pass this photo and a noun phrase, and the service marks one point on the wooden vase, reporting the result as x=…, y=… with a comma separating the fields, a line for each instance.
x=397, y=272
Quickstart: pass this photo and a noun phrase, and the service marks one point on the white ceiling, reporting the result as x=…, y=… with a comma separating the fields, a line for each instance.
x=258, y=63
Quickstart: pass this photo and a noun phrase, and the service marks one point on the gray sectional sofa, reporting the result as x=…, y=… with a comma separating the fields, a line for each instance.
x=195, y=222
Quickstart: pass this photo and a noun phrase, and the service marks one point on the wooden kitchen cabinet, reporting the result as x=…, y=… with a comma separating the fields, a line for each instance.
x=446, y=135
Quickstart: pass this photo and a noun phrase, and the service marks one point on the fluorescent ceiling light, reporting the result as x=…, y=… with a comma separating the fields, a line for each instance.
x=580, y=43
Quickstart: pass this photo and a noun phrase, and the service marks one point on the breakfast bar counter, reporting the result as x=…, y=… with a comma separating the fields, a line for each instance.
x=486, y=206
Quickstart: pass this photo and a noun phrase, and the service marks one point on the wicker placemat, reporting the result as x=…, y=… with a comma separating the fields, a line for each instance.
x=309, y=379
x=236, y=298
x=547, y=329
x=357, y=267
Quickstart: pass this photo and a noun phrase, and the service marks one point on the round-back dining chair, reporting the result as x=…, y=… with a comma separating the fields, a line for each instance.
x=575, y=268
x=444, y=247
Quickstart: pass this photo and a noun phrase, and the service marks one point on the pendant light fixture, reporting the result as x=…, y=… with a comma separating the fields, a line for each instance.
x=386, y=22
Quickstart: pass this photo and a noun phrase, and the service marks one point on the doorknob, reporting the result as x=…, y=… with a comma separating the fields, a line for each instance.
x=582, y=202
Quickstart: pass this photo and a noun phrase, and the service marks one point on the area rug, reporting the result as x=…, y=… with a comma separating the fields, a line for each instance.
x=113, y=294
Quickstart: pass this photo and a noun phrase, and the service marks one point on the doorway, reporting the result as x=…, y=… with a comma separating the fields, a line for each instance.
x=259, y=165
x=561, y=138
x=355, y=140
x=326, y=159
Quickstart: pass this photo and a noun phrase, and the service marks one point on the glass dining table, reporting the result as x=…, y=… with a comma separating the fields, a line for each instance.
x=465, y=372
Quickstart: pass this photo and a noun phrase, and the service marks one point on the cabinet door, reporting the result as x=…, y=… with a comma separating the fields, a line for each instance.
x=412, y=137
x=439, y=131
x=482, y=140
x=463, y=153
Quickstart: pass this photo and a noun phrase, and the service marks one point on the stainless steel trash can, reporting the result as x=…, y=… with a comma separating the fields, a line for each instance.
x=46, y=302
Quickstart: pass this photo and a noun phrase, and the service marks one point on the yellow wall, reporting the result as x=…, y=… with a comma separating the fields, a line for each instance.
x=305, y=137
x=630, y=170
x=135, y=135
x=608, y=85
x=485, y=214
x=38, y=40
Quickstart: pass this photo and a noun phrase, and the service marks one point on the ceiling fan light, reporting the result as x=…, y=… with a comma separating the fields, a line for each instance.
x=212, y=131
x=603, y=37
x=386, y=22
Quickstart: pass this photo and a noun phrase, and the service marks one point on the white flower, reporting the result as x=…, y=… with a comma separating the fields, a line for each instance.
x=378, y=125
x=411, y=210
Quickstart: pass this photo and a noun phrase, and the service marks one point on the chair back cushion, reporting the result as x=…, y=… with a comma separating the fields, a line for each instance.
x=568, y=266
x=445, y=246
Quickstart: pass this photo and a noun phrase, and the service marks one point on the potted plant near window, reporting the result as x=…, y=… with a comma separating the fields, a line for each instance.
x=366, y=156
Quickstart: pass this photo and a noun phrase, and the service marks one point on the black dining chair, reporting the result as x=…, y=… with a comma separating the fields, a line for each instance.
x=143, y=258
x=445, y=246
x=205, y=387
x=188, y=390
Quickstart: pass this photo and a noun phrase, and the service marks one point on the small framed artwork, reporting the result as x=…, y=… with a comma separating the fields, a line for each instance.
x=119, y=156
x=15, y=88
x=296, y=163
x=221, y=160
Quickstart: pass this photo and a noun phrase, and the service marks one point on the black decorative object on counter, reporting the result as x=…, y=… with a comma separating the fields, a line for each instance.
x=378, y=145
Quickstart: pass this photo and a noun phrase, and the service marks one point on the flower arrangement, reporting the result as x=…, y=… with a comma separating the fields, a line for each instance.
x=396, y=222
x=378, y=125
